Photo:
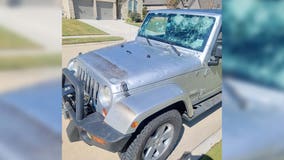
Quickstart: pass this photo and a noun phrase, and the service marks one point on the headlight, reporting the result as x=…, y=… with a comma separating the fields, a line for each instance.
x=105, y=96
x=72, y=66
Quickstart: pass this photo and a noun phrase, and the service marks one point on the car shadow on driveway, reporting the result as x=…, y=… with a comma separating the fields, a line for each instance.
x=187, y=155
x=200, y=117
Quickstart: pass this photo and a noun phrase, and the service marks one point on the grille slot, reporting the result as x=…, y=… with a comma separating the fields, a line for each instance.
x=91, y=86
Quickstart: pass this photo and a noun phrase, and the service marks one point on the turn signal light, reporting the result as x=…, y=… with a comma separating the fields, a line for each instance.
x=104, y=112
x=99, y=140
x=134, y=124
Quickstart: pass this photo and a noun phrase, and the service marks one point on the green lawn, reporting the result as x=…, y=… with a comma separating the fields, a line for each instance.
x=215, y=153
x=26, y=61
x=90, y=39
x=137, y=24
x=11, y=40
x=73, y=27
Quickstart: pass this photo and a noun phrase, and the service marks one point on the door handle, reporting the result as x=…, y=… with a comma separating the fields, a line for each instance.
x=206, y=72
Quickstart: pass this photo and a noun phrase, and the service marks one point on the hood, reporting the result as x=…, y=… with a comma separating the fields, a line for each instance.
x=138, y=64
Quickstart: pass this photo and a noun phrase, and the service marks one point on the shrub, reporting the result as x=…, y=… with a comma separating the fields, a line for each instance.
x=128, y=19
x=135, y=17
x=144, y=11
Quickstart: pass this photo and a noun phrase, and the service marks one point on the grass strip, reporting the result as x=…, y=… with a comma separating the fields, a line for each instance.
x=29, y=61
x=11, y=40
x=215, y=153
x=90, y=40
x=73, y=27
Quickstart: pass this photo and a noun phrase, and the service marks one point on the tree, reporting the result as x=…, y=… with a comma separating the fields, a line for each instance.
x=172, y=4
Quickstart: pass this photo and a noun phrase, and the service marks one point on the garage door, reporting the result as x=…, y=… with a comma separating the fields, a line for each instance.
x=85, y=9
x=105, y=10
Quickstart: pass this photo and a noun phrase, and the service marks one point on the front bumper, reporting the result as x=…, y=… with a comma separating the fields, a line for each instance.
x=82, y=128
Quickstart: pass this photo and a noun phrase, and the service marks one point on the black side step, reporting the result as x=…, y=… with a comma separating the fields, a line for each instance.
x=215, y=101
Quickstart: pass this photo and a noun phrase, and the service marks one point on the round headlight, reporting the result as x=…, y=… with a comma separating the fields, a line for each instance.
x=105, y=96
x=72, y=66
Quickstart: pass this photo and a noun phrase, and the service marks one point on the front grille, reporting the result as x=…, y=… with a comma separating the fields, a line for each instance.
x=91, y=86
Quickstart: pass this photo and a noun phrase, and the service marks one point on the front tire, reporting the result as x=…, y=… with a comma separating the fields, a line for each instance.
x=157, y=139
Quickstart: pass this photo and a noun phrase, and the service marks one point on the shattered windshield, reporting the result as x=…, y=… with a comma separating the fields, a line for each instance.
x=189, y=31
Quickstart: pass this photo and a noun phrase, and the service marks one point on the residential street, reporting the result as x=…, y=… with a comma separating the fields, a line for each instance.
x=27, y=79
x=71, y=51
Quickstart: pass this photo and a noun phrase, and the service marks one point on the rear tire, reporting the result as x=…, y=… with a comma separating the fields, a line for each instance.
x=157, y=139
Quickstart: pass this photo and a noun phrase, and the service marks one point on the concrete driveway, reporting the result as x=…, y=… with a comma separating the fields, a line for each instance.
x=114, y=27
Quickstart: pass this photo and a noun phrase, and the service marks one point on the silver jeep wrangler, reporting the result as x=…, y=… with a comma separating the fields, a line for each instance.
x=131, y=98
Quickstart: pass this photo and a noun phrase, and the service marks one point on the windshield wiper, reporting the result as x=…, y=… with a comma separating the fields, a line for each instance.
x=172, y=47
x=175, y=50
x=148, y=41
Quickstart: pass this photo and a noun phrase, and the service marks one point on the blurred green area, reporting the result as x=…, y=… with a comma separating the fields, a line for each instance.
x=253, y=39
x=30, y=61
x=11, y=40
x=73, y=27
x=90, y=39
x=215, y=153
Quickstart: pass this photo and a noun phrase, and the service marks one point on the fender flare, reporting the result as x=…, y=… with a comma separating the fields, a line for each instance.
x=140, y=106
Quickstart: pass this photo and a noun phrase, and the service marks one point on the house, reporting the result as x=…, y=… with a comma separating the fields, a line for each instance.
x=155, y=4
x=119, y=9
x=100, y=9
x=191, y=4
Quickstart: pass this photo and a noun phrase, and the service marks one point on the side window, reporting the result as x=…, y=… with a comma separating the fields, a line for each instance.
x=219, y=39
x=218, y=42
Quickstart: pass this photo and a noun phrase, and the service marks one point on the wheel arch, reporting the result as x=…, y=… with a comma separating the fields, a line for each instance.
x=179, y=106
x=144, y=106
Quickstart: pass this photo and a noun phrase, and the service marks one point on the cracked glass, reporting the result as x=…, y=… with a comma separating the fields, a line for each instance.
x=189, y=31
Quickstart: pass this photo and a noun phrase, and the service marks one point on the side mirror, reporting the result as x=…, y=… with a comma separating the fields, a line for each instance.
x=217, y=55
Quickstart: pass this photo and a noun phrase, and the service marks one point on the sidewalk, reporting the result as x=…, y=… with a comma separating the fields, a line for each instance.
x=86, y=36
x=16, y=79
